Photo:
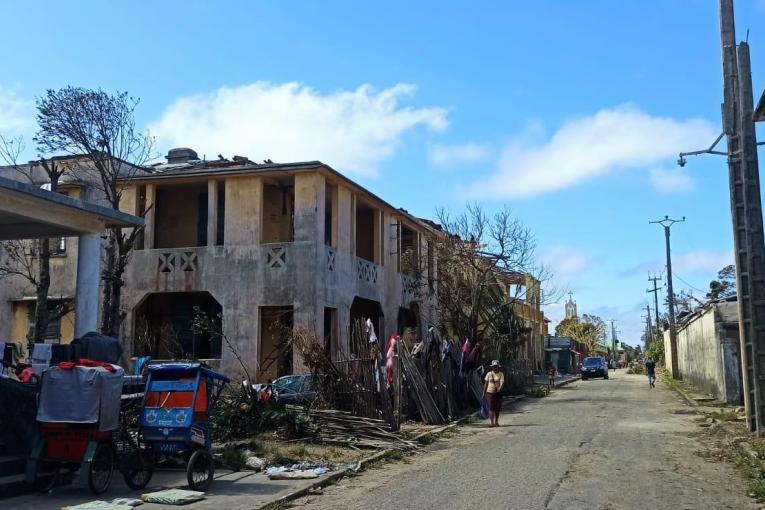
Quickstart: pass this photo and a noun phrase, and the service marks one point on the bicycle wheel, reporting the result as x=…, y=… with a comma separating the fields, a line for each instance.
x=200, y=470
x=137, y=469
x=101, y=469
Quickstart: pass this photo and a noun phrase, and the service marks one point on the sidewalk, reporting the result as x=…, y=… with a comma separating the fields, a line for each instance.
x=559, y=381
x=230, y=491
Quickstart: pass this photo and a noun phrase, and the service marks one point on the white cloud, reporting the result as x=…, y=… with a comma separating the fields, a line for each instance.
x=457, y=155
x=704, y=262
x=16, y=115
x=354, y=131
x=671, y=180
x=564, y=261
x=587, y=147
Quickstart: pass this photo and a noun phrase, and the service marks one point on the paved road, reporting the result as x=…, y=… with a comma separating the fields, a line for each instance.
x=597, y=444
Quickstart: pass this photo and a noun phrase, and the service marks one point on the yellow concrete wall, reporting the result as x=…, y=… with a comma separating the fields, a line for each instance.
x=128, y=200
x=67, y=328
x=20, y=325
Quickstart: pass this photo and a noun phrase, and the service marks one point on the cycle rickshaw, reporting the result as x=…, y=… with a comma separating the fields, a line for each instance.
x=173, y=422
x=78, y=415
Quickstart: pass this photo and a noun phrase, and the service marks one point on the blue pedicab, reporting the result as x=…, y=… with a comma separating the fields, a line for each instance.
x=174, y=419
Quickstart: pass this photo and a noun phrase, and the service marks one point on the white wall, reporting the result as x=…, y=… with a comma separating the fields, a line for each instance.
x=708, y=353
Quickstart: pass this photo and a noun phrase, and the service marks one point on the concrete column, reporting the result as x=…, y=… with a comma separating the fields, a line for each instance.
x=353, y=224
x=333, y=201
x=151, y=209
x=88, y=275
x=212, y=212
x=309, y=208
x=243, y=211
x=344, y=221
x=377, y=239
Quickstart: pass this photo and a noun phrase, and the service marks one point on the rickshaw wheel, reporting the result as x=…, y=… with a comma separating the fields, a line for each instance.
x=101, y=469
x=138, y=468
x=46, y=476
x=200, y=470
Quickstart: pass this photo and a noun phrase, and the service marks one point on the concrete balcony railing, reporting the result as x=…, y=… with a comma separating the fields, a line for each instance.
x=367, y=271
x=409, y=287
x=276, y=255
x=173, y=260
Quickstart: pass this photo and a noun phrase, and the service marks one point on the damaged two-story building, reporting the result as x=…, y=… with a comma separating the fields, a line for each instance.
x=257, y=248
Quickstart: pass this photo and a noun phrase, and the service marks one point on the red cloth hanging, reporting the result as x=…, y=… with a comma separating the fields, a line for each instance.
x=84, y=362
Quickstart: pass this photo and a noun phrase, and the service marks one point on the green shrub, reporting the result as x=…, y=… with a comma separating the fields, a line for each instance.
x=656, y=351
x=236, y=417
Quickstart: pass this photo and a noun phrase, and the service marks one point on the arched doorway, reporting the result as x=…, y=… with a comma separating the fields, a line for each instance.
x=171, y=325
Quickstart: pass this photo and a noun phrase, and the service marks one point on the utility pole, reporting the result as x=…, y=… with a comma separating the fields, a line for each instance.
x=655, y=291
x=667, y=223
x=746, y=213
x=648, y=320
x=613, y=338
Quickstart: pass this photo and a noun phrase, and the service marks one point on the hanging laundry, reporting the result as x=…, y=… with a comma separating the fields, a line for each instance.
x=392, y=347
x=370, y=330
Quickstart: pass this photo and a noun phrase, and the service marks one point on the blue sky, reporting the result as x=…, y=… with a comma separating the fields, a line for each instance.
x=572, y=113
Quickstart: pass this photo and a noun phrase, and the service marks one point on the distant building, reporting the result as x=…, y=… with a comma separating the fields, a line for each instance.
x=570, y=307
x=564, y=353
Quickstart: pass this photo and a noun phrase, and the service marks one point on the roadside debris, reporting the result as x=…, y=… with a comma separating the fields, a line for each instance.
x=344, y=429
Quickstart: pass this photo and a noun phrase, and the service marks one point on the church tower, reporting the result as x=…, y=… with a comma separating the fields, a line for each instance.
x=570, y=307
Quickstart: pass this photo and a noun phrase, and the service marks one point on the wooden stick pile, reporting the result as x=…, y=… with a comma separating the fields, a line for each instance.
x=418, y=390
x=344, y=429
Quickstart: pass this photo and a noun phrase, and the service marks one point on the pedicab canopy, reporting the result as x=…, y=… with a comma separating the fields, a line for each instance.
x=72, y=393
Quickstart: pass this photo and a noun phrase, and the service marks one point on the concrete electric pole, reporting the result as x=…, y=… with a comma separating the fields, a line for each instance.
x=738, y=118
x=648, y=319
x=746, y=213
x=667, y=223
x=655, y=291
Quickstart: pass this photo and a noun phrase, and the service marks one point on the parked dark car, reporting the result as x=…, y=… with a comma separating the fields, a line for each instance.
x=295, y=389
x=594, y=367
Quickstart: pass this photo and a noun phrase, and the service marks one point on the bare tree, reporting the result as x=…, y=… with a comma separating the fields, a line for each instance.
x=99, y=128
x=481, y=258
x=31, y=259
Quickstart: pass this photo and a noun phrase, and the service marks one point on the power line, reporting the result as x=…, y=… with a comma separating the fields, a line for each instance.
x=688, y=284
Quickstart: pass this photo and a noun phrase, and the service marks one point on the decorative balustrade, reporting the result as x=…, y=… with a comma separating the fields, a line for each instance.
x=409, y=286
x=367, y=271
x=276, y=255
x=330, y=259
x=177, y=260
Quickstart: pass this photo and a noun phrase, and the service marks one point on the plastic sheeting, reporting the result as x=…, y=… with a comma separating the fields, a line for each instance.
x=97, y=347
x=81, y=395
x=18, y=408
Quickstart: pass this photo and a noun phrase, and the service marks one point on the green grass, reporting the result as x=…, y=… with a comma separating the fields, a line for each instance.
x=723, y=415
x=753, y=469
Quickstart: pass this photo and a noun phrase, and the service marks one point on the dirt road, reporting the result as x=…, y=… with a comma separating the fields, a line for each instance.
x=598, y=444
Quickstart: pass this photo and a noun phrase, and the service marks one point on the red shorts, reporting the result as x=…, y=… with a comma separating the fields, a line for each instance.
x=494, y=401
